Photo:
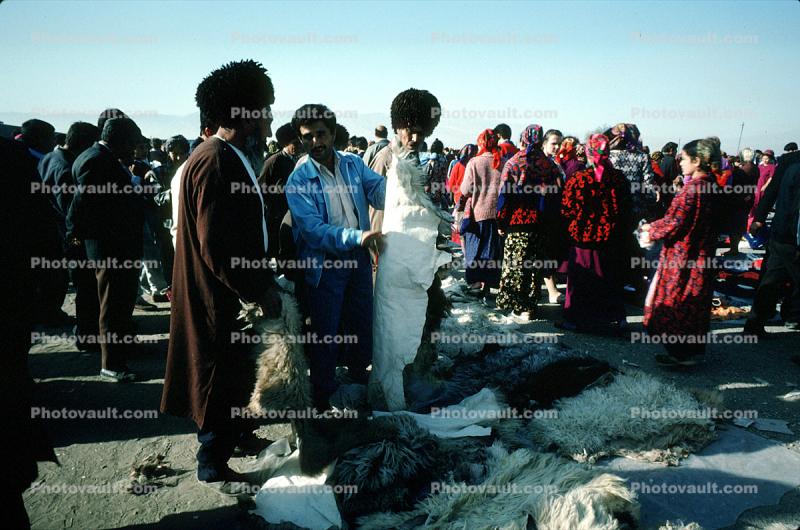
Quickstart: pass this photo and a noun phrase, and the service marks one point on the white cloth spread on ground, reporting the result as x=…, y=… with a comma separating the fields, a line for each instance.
x=459, y=420
x=406, y=269
x=289, y=496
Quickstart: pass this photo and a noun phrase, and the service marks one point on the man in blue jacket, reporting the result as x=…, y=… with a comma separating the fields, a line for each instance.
x=329, y=194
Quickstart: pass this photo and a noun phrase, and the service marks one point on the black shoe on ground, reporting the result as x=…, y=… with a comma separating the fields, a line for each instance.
x=232, y=484
x=751, y=327
x=160, y=297
x=144, y=305
x=251, y=445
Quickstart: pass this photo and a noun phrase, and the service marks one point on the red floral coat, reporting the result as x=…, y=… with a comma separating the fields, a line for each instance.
x=679, y=299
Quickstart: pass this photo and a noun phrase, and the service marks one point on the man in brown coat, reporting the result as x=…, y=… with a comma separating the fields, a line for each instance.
x=220, y=259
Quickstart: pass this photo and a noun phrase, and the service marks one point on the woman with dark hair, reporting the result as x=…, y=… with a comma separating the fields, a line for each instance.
x=530, y=187
x=596, y=203
x=555, y=244
x=480, y=188
x=454, y=186
x=678, y=304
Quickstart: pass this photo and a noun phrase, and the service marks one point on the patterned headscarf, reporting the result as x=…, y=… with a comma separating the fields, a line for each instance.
x=624, y=137
x=487, y=143
x=597, y=149
x=567, y=151
x=467, y=152
x=531, y=138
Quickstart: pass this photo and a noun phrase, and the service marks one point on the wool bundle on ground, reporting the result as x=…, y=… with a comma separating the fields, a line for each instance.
x=528, y=375
x=636, y=415
x=391, y=475
x=519, y=487
x=282, y=381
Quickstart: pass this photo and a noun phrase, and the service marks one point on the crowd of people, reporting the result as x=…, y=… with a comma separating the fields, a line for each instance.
x=145, y=221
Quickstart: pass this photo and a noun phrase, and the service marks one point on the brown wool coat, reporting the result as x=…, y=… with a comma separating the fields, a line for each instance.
x=208, y=373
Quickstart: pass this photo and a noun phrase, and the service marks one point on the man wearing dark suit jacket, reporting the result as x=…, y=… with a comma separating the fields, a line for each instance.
x=782, y=263
x=56, y=171
x=107, y=216
x=221, y=229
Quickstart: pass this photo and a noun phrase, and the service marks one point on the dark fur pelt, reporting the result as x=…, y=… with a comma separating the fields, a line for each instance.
x=323, y=440
x=394, y=473
x=529, y=375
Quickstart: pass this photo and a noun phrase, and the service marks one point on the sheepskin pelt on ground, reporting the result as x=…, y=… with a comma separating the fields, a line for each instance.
x=282, y=381
x=391, y=475
x=521, y=487
x=529, y=375
x=468, y=318
x=636, y=415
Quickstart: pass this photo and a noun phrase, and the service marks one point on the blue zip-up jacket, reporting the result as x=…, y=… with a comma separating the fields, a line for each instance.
x=313, y=234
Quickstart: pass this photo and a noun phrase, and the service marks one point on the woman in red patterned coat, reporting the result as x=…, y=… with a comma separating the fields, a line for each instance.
x=678, y=304
x=596, y=204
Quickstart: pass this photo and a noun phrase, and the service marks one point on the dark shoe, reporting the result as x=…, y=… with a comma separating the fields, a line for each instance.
x=251, y=445
x=670, y=361
x=161, y=297
x=232, y=484
x=144, y=305
x=751, y=327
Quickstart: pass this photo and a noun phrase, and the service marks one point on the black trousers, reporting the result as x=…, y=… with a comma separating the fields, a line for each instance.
x=87, y=305
x=782, y=266
x=50, y=290
x=117, y=289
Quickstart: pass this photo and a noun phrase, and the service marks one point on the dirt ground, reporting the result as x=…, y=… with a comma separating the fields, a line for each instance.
x=88, y=489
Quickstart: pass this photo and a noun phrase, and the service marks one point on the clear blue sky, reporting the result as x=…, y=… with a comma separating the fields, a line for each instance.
x=680, y=70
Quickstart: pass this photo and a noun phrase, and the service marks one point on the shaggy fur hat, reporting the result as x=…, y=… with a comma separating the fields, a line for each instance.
x=416, y=108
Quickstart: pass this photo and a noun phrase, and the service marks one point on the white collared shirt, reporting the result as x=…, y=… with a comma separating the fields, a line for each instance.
x=252, y=174
x=343, y=209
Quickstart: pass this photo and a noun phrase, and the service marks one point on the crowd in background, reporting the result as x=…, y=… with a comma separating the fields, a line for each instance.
x=567, y=209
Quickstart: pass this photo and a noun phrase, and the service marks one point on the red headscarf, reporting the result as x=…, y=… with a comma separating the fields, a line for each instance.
x=597, y=154
x=487, y=143
x=566, y=151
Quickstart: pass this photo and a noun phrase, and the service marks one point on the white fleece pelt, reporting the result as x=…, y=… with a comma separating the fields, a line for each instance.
x=636, y=415
x=460, y=332
x=406, y=269
x=522, y=485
